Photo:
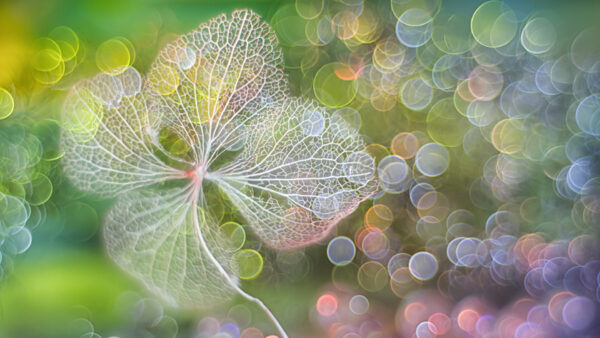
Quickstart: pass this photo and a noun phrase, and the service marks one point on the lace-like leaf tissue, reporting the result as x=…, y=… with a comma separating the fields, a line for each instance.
x=213, y=109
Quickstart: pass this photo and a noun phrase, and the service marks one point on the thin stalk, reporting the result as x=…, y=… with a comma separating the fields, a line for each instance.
x=227, y=277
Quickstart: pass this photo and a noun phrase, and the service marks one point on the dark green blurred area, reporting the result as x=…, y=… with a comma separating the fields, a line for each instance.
x=53, y=286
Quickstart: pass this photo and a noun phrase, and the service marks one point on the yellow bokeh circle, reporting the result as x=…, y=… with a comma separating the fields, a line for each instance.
x=113, y=56
x=7, y=104
x=248, y=263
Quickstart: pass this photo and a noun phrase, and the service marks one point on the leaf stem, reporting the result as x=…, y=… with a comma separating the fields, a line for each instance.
x=228, y=278
x=265, y=309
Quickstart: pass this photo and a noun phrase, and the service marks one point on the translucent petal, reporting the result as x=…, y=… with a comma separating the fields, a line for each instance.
x=293, y=186
x=107, y=137
x=214, y=79
x=162, y=238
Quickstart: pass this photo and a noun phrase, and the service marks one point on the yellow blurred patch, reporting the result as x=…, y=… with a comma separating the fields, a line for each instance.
x=16, y=45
